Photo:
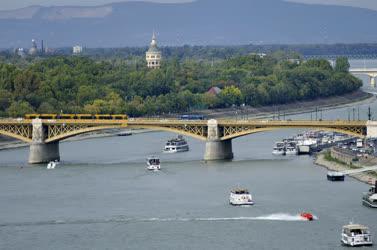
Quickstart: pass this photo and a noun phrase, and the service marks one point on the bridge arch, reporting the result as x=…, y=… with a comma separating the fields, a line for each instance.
x=15, y=136
x=74, y=132
x=357, y=132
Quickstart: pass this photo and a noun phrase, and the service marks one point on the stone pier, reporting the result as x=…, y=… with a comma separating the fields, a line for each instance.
x=216, y=149
x=41, y=152
x=372, y=80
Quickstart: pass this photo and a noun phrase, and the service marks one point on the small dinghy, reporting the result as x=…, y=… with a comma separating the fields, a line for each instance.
x=52, y=164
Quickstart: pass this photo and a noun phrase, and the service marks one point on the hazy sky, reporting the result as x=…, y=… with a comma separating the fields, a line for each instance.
x=14, y=4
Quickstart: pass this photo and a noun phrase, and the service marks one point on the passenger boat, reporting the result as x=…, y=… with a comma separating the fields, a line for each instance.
x=370, y=198
x=356, y=235
x=240, y=196
x=175, y=145
x=279, y=148
x=153, y=163
x=335, y=176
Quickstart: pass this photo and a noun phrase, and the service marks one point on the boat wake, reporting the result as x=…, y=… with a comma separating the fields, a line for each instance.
x=270, y=217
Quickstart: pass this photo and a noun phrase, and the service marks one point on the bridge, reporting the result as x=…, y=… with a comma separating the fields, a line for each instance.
x=371, y=72
x=44, y=135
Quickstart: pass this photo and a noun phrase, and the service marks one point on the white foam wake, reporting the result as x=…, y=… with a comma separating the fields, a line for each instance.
x=270, y=217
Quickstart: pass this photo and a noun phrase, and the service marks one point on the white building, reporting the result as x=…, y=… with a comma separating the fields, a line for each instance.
x=153, y=55
x=77, y=49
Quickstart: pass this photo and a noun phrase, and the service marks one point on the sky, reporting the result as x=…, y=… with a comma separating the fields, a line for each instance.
x=15, y=4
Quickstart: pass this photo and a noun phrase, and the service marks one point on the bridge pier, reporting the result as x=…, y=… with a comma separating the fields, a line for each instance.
x=40, y=151
x=372, y=80
x=216, y=149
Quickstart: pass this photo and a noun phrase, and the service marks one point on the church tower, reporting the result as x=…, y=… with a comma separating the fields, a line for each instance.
x=153, y=55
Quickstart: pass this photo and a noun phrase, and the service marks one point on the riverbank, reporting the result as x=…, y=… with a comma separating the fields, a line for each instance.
x=351, y=99
x=320, y=160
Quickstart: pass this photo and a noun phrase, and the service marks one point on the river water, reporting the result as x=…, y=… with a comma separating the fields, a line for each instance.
x=102, y=197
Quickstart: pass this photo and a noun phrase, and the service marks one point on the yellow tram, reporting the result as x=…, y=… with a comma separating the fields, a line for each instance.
x=77, y=116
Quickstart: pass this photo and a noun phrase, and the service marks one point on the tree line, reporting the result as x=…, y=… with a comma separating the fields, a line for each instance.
x=72, y=84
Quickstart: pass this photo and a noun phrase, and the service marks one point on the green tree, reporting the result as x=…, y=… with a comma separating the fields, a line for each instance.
x=19, y=109
x=342, y=64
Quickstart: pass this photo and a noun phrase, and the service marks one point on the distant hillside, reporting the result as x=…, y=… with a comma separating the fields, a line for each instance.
x=221, y=22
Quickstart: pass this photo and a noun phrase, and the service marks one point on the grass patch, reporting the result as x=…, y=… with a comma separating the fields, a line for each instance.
x=328, y=157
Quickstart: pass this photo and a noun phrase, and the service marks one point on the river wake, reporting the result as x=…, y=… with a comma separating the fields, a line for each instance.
x=270, y=217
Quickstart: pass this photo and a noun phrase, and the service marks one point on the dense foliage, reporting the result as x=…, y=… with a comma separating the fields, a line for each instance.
x=83, y=85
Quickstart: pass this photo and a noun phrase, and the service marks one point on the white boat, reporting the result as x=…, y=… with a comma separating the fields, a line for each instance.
x=240, y=196
x=176, y=145
x=291, y=148
x=153, y=163
x=52, y=164
x=279, y=148
x=370, y=198
x=356, y=235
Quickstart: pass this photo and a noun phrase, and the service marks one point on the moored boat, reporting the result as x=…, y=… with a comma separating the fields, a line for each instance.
x=240, y=196
x=291, y=148
x=279, y=148
x=153, y=163
x=356, y=235
x=335, y=176
x=370, y=198
x=176, y=145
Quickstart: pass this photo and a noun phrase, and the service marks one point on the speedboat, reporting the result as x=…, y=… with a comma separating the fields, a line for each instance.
x=370, y=198
x=153, y=163
x=240, y=196
x=279, y=148
x=356, y=235
x=175, y=145
x=52, y=164
x=307, y=216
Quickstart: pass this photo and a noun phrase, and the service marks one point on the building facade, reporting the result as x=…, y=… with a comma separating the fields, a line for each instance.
x=77, y=49
x=153, y=55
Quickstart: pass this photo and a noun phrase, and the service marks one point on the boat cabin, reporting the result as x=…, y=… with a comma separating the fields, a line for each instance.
x=240, y=191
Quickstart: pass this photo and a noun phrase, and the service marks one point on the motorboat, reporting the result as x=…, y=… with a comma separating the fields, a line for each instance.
x=356, y=235
x=176, y=145
x=124, y=133
x=370, y=198
x=279, y=148
x=240, y=196
x=52, y=164
x=335, y=176
x=291, y=148
x=307, y=216
x=153, y=163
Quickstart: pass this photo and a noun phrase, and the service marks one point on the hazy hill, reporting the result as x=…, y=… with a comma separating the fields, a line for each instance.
x=203, y=22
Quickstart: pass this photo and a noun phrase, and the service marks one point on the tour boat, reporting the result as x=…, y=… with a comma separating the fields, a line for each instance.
x=307, y=216
x=279, y=148
x=335, y=176
x=356, y=235
x=52, y=164
x=175, y=145
x=240, y=196
x=370, y=198
x=153, y=163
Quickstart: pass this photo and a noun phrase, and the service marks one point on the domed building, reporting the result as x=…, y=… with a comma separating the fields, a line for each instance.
x=153, y=55
x=33, y=51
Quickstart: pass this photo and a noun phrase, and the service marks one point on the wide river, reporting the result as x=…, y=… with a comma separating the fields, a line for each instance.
x=102, y=197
